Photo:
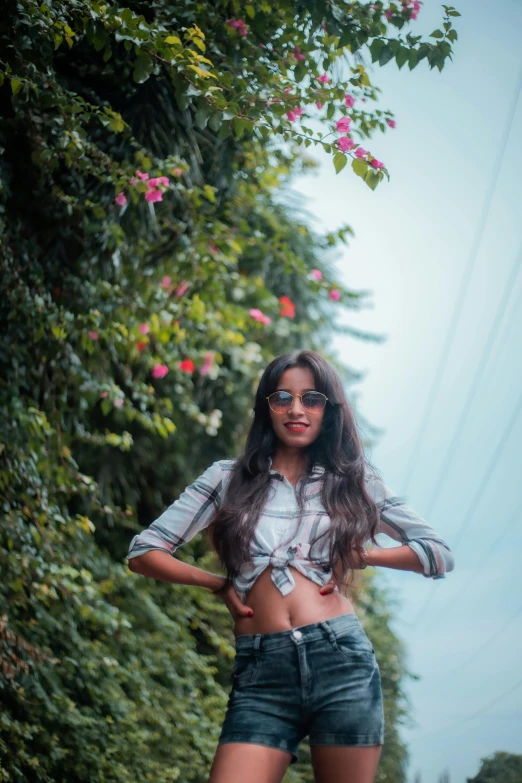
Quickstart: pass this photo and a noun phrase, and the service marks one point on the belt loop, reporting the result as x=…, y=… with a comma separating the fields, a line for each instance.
x=257, y=642
x=329, y=631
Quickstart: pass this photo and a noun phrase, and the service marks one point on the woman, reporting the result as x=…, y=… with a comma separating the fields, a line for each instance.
x=289, y=519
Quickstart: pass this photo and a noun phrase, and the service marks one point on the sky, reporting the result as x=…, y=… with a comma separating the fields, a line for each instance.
x=414, y=238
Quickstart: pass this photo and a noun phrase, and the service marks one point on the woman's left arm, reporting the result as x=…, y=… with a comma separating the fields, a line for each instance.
x=422, y=550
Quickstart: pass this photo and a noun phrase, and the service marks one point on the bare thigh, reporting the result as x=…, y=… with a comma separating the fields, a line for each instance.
x=342, y=764
x=237, y=762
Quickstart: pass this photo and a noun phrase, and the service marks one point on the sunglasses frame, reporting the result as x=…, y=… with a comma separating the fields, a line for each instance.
x=293, y=396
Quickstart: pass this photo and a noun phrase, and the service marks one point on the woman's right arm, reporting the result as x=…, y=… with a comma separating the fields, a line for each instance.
x=150, y=552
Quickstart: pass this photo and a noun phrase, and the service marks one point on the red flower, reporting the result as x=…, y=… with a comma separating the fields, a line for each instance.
x=287, y=307
x=141, y=345
x=187, y=365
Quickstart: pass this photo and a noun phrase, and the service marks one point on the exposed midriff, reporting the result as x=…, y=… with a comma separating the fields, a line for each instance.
x=276, y=612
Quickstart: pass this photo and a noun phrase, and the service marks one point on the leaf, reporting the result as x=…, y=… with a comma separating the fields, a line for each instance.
x=16, y=86
x=360, y=167
x=385, y=55
x=215, y=120
x=375, y=48
x=202, y=117
x=372, y=178
x=437, y=34
x=143, y=68
x=172, y=39
x=340, y=160
x=300, y=72
x=402, y=56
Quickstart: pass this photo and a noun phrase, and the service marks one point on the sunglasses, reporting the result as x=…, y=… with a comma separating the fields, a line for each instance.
x=312, y=401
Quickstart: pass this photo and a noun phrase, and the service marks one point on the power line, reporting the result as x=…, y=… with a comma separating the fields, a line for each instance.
x=475, y=385
x=485, y=644
x=480, y=711
x=458, y=594
x=478, y=495
x=463, y=285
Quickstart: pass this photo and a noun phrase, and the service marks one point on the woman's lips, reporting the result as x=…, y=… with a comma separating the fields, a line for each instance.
x=296, y=427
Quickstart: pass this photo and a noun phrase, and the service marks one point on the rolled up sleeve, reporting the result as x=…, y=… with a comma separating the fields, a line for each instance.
x=186, y=517
x=401, y=523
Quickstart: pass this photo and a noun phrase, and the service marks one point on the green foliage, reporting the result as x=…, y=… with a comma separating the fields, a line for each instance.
x=500, y=767
x=107, y=676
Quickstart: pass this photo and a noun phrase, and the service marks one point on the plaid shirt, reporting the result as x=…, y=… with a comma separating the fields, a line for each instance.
x=279, y=539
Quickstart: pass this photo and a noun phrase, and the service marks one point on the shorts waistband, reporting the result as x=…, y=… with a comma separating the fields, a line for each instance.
x=334, y=626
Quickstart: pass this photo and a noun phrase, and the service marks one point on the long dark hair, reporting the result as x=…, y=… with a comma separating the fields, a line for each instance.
x=353, y=513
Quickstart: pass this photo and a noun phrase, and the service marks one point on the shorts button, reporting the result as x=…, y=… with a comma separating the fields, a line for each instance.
x=296, y=634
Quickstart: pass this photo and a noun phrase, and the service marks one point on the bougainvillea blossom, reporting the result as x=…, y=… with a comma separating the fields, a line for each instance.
x=93, y=335
x=207, y=363
x=153, y=195
x=121, y=199
x=376, y=164
x=316, y=274
x=298, y=54
x=391, y=123
x=360, y=152
x=343, y=125
x=334, y=295
x=287, y=307
x=165, y=282
x=143, y=328
x=187, y=365
x=324, y=78
x=349, y=101
x=141, y=175
x=180, y=290
x=159, y=370
x=345, y=143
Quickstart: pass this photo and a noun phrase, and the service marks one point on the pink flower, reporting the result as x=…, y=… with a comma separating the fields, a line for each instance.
x=165, y=282
x=291, y=116
x=157, y=181
x=391, y=123
x=334, y=295
x=316, y=274
x=416, y=6
x=319, y=104
x=133, y=180
x=143, y=328
x=141, y=175
x=187, y=365
x=118, y=402
x=360, y=153
x=298, y=111
x=288, y=90
x=153, y=195
x=376, y=164
x=323, y=78
x=343, y=125
x=159, y=370
x=238, y=25
x=256, y=313
x=414, y=15
x=93, y=335
x=349, y=100
x=180, y=290
x=121, y=199
x=207, y=364
x=177, y=172
x=388, y=14
x=266, y=320
x=345, y=143
x=164, y=181
x=104, y=394
x=297, y=54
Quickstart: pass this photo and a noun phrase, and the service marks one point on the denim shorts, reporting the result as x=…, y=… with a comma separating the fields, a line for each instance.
x=320, y=680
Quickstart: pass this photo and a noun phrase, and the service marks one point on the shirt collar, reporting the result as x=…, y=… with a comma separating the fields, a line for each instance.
x=317, y=471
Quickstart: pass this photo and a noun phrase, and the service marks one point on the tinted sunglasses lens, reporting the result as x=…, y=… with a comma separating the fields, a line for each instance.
x=313, y=401
x=280, y=401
